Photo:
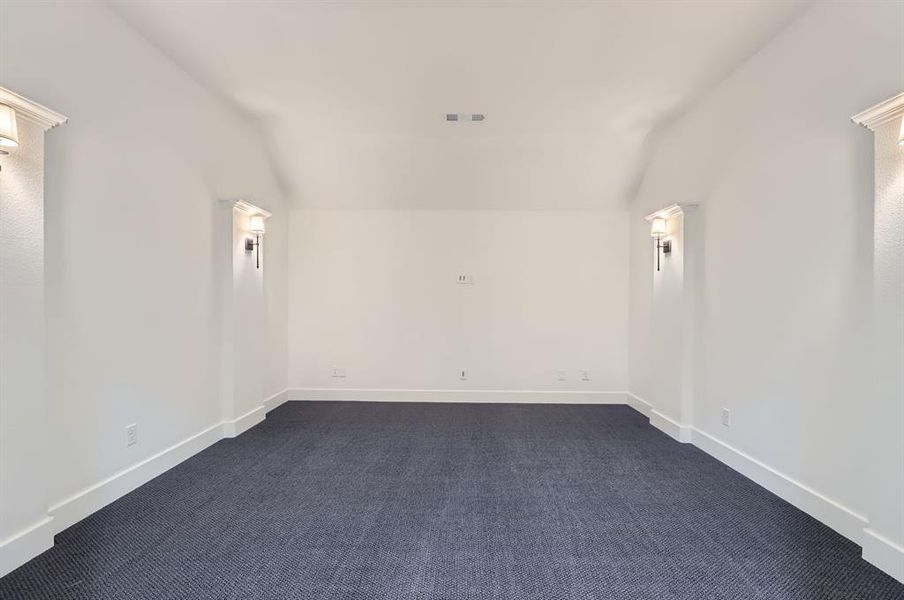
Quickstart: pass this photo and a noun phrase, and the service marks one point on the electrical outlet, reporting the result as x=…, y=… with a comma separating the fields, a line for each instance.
x=464, y=279
x=585, y=375
x=338, y=372
x=131, y=434
x=560, y=375
x=463, y=374
x=726, y=417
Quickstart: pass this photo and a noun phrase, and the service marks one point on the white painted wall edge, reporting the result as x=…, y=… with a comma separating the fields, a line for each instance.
x=21, y=547
x=241, y=424
x=678, y=431
x=883, y=553
x=276, y=400
x=660, y=421
x=638, y=404
x=820, y=507
x=474, y=396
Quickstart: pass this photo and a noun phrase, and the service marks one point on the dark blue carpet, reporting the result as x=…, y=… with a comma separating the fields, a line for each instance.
x=450, y=501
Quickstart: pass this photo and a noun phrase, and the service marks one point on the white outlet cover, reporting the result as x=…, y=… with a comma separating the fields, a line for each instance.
x=585, y=375
x=726, y=417
x=463, y=374
x=464, y=279
x=338, y=372
x=131, y=434
x=560, y=375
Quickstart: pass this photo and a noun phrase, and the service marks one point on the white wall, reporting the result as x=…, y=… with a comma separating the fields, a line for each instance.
x=135, y=265
x=886, y=450
x=245, y=342
x=657, y=372
x=23, y=408
x=784, y=181
x=375, y=292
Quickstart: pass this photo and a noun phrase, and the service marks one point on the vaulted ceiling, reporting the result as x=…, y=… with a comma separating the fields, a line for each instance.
x=351, y=96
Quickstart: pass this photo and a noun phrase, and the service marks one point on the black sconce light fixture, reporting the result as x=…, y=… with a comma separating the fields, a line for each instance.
x=254, y=245
x=659, y=229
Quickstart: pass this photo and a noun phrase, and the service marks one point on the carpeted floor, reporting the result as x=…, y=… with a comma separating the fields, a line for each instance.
x=450, y=501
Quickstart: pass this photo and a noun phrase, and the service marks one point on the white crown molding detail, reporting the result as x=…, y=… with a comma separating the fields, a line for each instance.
x=881, y=113
x=31, y=111
x=246, y=207
x=670, y=210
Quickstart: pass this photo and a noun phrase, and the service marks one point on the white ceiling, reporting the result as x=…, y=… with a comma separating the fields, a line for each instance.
x=351, y=96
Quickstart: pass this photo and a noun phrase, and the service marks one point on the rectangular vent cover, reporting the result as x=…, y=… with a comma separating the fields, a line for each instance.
x=464, y=117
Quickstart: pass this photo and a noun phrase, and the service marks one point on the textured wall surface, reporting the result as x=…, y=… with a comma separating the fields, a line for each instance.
x=23, y=407
x=887, y=417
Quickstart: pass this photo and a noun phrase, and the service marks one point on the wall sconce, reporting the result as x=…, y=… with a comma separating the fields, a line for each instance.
x=9, y=133
x=658, y=229
x=257, y=228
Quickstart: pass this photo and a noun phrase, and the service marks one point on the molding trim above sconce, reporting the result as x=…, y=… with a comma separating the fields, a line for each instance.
x=14, y=107
x=257, y=217
x=882, y=113
x=247, y=208
x=658, y=221
x=31, y=111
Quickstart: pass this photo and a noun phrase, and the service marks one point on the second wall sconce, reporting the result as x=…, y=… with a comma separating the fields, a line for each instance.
x=257, y=228
x=9, y=132
x=659, y=229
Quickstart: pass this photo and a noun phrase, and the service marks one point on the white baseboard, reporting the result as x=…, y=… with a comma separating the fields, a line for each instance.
x=78, y=506
x=682, y=433
x=820, y=507
x=883, y=553
x=474, y=396
x=638, y=404
x=240, y=425
x=21, y=547
x=817, y=505
x=276, y=400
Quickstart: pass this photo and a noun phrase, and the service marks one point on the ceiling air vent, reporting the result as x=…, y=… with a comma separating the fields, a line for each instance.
x=464, y=117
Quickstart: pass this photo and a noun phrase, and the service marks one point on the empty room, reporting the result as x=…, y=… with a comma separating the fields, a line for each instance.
x=451, y=300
